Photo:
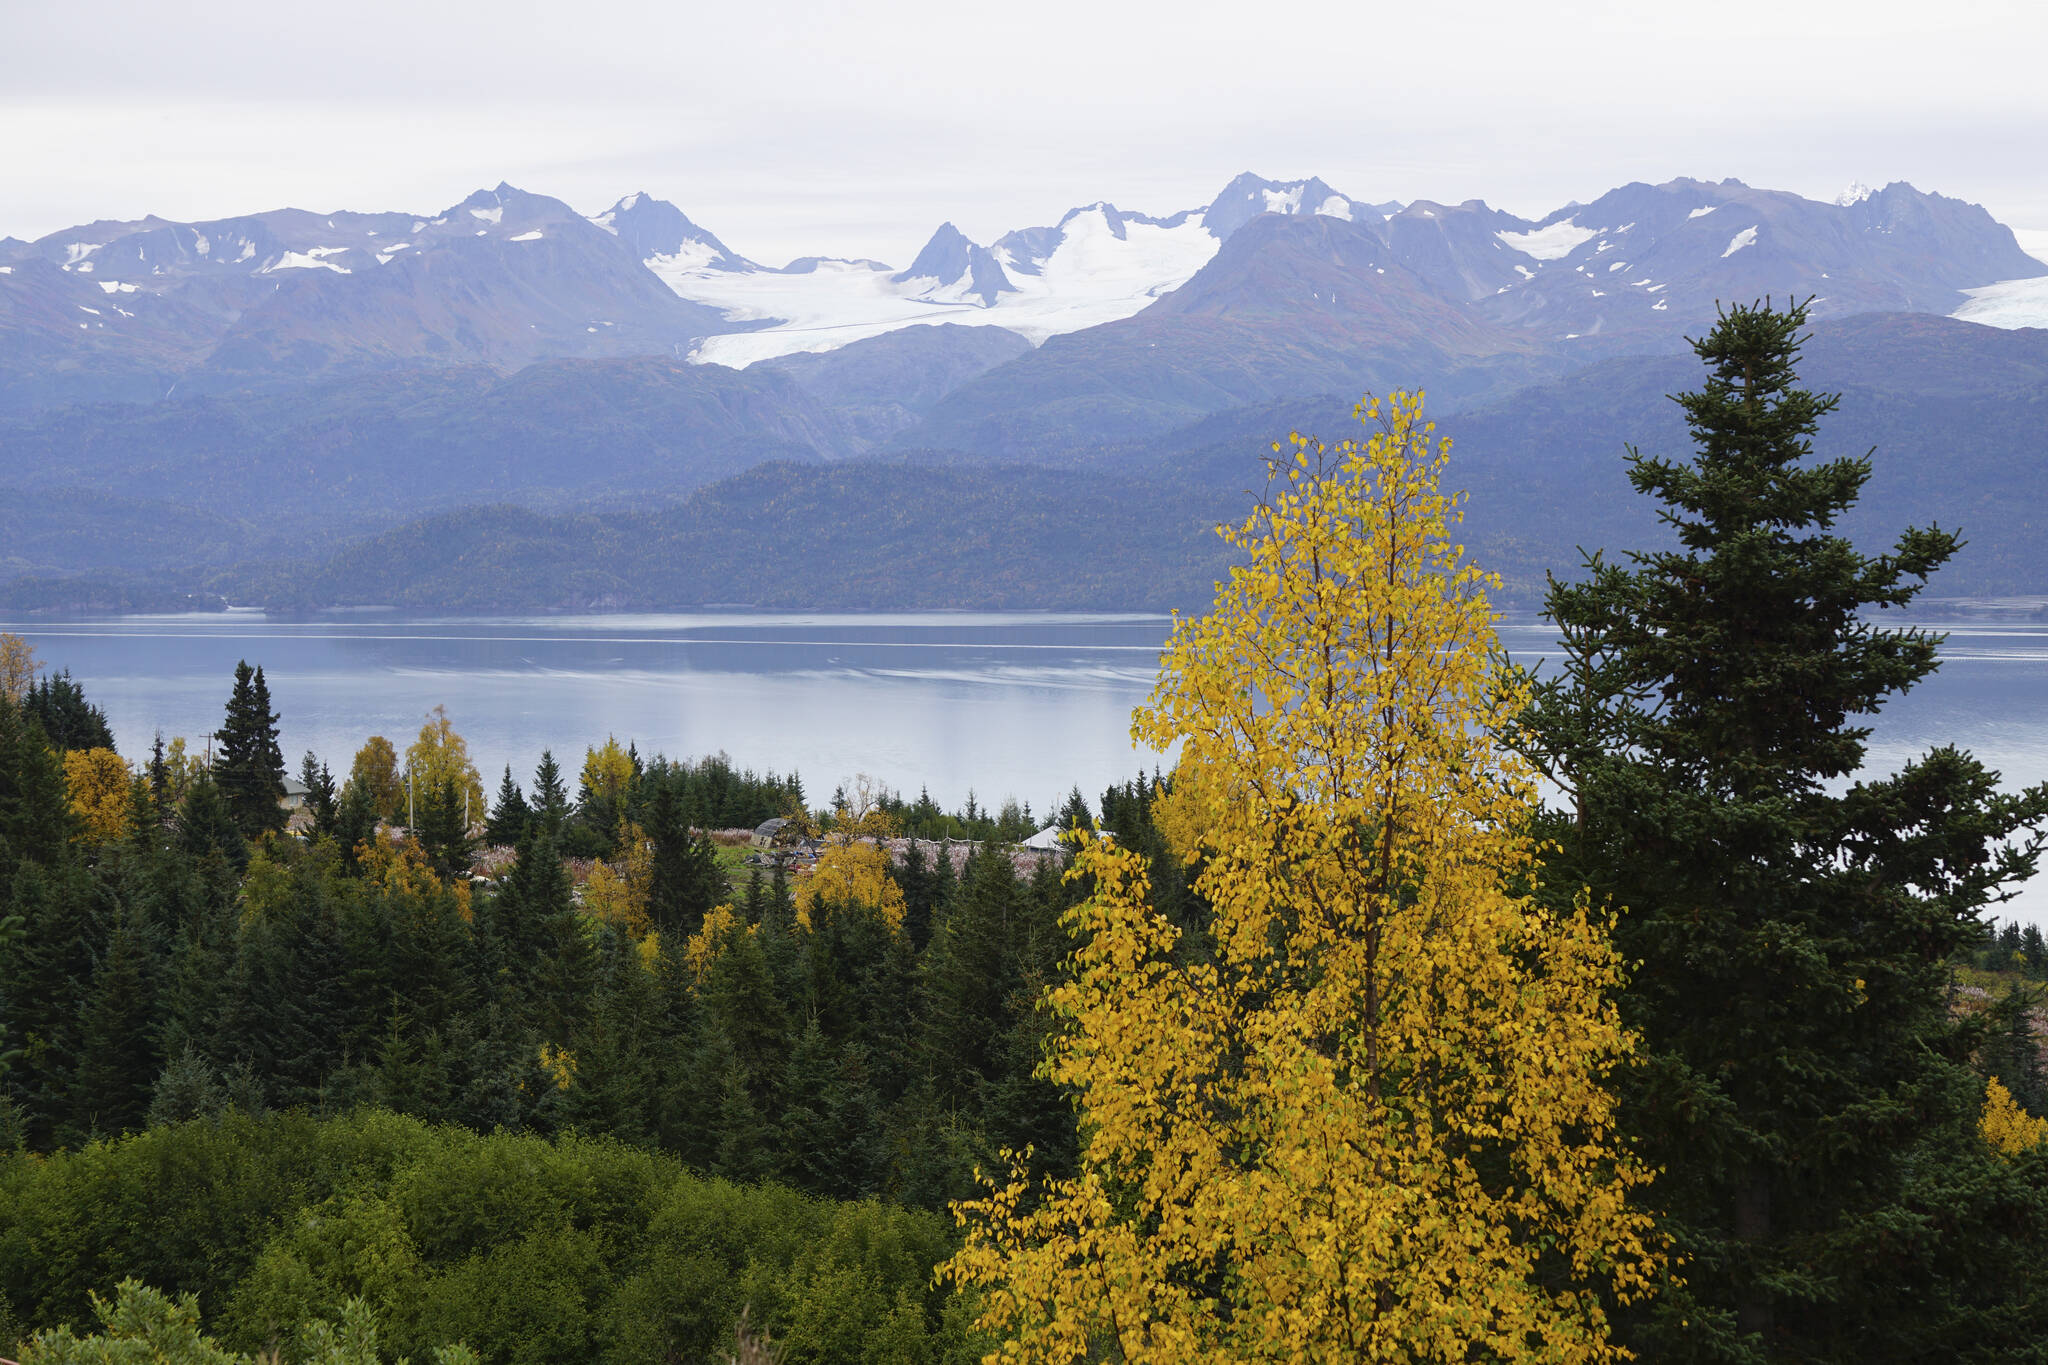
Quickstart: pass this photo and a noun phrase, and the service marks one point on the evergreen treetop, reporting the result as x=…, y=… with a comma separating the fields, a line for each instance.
x=249, y=766
x=1792, y=934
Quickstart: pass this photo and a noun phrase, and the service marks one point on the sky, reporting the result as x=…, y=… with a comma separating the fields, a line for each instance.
x=854, y=129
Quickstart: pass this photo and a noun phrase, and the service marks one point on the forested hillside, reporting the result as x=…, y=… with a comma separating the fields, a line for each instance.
x=798, y=537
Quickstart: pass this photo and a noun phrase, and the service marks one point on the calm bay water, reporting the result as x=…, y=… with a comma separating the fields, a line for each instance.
x=1005, y=705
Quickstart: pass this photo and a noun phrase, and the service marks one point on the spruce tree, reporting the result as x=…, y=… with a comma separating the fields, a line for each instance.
x=320, y=795
x=36, y=823
x=686, y=880
x=355, y=820
x=510, y=815
x=68, y=720
x=809, y=1141
x=249, y=768
x=442, y=834
x=285, y=1008
x=550, y=796
x=44, y=983
x=158, y=773
x=206, y=825
x=545, y=959
x=118, y=1060
x=1802, y=1087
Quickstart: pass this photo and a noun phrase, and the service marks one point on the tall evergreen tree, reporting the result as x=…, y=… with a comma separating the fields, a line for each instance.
x=69, y=721
x=207, y=825
x=249, y=767
x=545, y=959
x=118, y=1060
x=685, y=880
x=510, y=815
x=355, y=819
x=318, y=781
x=158, y=775
x=285, y=1008
x=442, y=833
x=550, y=796
x=36, y=823
x=1792, y=923
x=43, y=980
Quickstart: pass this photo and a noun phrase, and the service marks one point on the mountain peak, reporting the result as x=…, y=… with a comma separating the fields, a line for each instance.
x=1248, y=195
x=954, y=263
x=657, y=229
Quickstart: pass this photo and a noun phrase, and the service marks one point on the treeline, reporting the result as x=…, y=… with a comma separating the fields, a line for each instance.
x=175, y=960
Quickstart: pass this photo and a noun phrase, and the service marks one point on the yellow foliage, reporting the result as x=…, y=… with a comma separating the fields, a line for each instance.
x=2005, y=1125
x=1352, y=1129
x=620, y=897
x=99, y=784
x=375, y=771
x=180, y=768
x=558, y=1064
x=649, y=950
x=396, y=865
x=608, y=771
x=704, y=946
x=440, y=755
x=267, y=888
x=860, y=815
x=17, y=666
x=851, y=875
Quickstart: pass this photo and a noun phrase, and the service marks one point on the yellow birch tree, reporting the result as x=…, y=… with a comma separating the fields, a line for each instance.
x=17, y=666
x=375, y=772
x=2005, y=1125
x=100, y=786
x=440, y=755
x=619, y=895
x=1366, y=1119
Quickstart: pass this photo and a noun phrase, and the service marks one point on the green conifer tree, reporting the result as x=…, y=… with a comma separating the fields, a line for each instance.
x=1792, y=923
x=118, y=1059
x=685, y=880
x=248, y=766
x=550, y=796
x=810, y=1139
x=67, y=719
x=320, y=794
x=510, y=815
x=207, y=826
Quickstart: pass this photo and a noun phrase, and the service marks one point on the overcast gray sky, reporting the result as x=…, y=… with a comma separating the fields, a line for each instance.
x=853, y=129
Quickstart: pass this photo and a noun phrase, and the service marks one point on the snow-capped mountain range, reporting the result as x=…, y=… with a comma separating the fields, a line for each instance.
x=131, y=310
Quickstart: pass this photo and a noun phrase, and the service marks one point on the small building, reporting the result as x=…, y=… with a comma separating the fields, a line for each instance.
x=1053, y=839
x=776, y=836
x=296, y=794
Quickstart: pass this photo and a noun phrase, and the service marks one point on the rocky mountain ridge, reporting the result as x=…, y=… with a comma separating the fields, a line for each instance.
x=132, y=311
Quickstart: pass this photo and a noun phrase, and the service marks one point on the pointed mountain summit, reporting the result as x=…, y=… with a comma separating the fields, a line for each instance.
x=658, y=230
x=958, y=269
x=1248, y=196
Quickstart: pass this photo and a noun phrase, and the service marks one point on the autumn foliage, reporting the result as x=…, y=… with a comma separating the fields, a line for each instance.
x=1362, y=1116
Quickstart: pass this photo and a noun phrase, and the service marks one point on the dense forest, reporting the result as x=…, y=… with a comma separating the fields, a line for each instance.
x=182, y=965
x=1342, y=1047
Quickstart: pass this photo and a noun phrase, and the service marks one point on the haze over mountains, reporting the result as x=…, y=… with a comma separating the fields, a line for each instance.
x=346, y=371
